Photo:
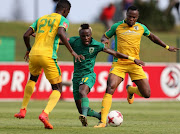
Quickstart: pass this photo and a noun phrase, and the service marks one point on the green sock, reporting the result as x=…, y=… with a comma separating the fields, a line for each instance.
x=84, y=106
x=93, y=113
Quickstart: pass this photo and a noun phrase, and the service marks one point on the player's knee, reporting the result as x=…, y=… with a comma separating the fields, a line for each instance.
x=57, y=87
x=34, y=78
x=110, y=90
x=82, y=93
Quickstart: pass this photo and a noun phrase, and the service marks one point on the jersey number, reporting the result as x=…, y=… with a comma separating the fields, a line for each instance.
x=50, y=24
x=84, y=79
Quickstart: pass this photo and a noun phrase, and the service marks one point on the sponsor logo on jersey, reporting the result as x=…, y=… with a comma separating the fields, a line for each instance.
x=65, y=25
x=91, y=50
x=136, y=27
x=129, y=32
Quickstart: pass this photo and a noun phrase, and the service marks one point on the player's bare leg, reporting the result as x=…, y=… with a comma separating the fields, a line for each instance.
x=142, y=89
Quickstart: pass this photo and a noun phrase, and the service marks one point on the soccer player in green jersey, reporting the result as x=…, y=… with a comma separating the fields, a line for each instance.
x=127, y=34
x=84, y=76
x=43, y=55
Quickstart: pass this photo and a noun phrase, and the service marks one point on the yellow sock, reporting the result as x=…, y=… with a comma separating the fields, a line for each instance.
x=106, y=105
x=133, y=90
x=29, y=89
x=53, y=99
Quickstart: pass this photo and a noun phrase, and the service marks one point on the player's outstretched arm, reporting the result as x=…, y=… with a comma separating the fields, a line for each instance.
x=156, y=40
x=105, y=40
x=123, y=56
x=62, y=35
x=26, y=38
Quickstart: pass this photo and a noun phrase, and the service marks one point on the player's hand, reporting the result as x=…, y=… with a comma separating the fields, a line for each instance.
x=106, y=42
x=77, y=57
x=139, y=62
x=173, y=49
x=34, y=34
x=82, y=57
x=26, y=57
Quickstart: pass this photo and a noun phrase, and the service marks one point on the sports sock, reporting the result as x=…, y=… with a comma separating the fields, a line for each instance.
x=93, y=113
x=84, y=106
x=106, y=105
x=133, y=90
x=29, y=89
x=53, y=99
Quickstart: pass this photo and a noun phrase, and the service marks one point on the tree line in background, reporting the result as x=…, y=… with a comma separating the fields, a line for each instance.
x=151, y=15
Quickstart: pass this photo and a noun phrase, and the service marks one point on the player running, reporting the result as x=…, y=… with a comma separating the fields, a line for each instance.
x=84, y=76
x=43, y=55
x=127, y=35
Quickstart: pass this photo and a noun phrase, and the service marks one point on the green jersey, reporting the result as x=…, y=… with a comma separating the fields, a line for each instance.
x=89, y=52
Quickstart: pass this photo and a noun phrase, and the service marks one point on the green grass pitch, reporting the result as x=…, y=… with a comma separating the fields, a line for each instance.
x=139, y=118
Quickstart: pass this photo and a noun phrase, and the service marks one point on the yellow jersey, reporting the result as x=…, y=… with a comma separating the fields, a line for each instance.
x=127, y=39
x=46, y=40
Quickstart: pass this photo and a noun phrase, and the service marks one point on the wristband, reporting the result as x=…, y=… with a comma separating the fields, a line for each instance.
x=131, y=58
x=167, y=47
x=29, y=49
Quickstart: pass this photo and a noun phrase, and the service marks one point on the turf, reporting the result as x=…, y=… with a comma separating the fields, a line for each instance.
x=139, y=118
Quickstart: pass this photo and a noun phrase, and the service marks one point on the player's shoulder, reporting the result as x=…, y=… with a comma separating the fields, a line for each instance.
x=63, y=17
x=140, y=24
x=119, y=23
x=95, y=42
x=115, y=25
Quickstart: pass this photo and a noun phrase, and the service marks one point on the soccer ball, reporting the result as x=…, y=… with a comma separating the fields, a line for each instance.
x=114, y=118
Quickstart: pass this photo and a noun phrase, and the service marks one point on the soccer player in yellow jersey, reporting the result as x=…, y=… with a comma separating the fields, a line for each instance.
x=127, y=34
x=50, y=29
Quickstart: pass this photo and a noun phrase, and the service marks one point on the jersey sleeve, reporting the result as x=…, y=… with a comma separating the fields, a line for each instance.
x=111, y=31
x=146, y=31
x=34, y=25
x=64, y=23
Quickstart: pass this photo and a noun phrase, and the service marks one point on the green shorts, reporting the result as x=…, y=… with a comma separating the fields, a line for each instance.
x=88, y=80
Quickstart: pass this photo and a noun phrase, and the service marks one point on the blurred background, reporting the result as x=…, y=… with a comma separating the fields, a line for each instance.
x=160, y=16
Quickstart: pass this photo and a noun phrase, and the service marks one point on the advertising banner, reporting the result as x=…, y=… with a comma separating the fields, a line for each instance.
x=164, y=81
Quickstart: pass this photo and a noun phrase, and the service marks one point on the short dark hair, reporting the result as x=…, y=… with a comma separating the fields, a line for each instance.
x=132, y=8
x=85, y=26
x=63, y=4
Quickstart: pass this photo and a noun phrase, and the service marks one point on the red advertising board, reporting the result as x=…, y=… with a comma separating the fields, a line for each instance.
x=164, y=81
